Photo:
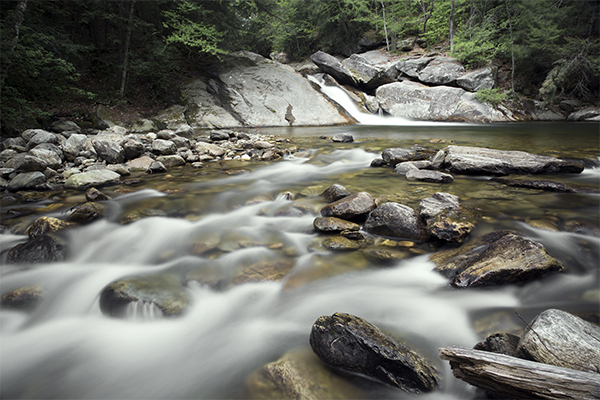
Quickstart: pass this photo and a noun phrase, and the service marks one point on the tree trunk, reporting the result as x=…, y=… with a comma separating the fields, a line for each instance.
x=387, y=42
x=451, y=27
x=126, y=51
x=518, y=378
x=13, y=38
x=426, y=16
x=512, y=50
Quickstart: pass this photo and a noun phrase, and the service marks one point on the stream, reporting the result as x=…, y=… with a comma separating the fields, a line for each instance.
x=242, y=213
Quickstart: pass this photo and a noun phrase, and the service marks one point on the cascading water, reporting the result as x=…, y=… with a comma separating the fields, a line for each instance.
x=67, y=348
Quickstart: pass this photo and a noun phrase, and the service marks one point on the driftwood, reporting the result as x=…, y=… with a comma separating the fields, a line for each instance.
x=518, y=378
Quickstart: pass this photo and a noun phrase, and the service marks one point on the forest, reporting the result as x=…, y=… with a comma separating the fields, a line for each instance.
x=60, y=58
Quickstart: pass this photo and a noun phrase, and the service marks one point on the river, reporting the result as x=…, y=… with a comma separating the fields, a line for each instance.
x=66, y=347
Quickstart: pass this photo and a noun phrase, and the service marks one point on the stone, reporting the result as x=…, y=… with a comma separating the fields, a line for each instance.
x=333, y=224
x=441, y=70
x=120, y=169
x=87, y=212
x=31, y=163
x=93, y=194
x=109, y=151
x=218, y=136
x=585, y=114
x=340, y=243
x=44, y=225
x=23, y=299
x=405, y=166
x=335, y=192
x=171, y=160
x=479, y=161
x=482, y=78
x=395, y=220
x=397, y=155
x=26, y=180
x=132, y=148
x=208, y=148
x=332, y=66
x=351, y=207
x=43, y=249
x=143, y=125
x=163, y=290
x=413, y=66
x=156, y=167
x=165, y=134
x=140, y=164
x=413, y=100
x=265, y=271
x=497, y=258
x=370, y=70
x=501, y=343
x=385, y=255
x=438, y=203
x=407, y=44
x=559, y=338
x=352, y=345
x=96, y=178
x=41, y=137
x=51, y=158
x=64, y=125
x=163, y=147
x=74, y=145
x=428, y=176
x=342, y=138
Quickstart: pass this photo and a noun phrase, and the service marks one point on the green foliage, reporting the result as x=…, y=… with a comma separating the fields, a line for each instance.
x=491, y=96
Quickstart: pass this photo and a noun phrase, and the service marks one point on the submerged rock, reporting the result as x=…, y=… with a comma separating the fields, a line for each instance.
x=163, y=290
x=333, y=224
x=396, y=220
x=498, y=258
x=274, y=270
x=352, y=345
x=24, y=298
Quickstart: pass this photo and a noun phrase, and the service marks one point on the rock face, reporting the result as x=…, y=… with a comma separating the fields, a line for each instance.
x=351, y=344
x=332, y=66
x=476, y=160
x=482, y=78
x=558, y=338
x=498, y=258
x=163, y=290
x=396, y=220
x=437, y=103
x=355, y=206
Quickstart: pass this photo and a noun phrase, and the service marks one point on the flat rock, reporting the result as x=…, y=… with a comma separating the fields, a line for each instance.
x=351, y=207
x=479, y=160
x=498, y=258
x=140, y=164
x=350, y=344
x=84, y=180
x=333, y=224
x=395, y=220
x=428, y=176
x=26, y=180
x=397, y=155
x=340, y=243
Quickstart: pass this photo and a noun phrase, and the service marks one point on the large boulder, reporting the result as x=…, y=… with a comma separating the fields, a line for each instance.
x=396, y=220
x=50, y=157
x=445, y=218
x=479, y=160
x=371, y=69
x=413, y=66
x=352, y=345
x=109, y=151
x=441, y=70
x=355, y=206
x=75, y=144
x=334, y=67
x=559, y=338
x=439, y=103
x=397, y=155
x=97, y=178
x=498, y=258
x=26, y=180
x=482, y=78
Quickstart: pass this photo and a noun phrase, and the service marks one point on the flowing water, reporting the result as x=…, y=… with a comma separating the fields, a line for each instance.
x=211, y=220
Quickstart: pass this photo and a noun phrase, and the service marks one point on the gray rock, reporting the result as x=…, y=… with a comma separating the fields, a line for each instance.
x=332, y=66
x=42, y=137
x=586, y=114
x=87, y=212
x=8, y=154
x=218, y=136
x=333, y=224
x=482, y=78
x=31, y=163
x=171, y=161
x=17, y=143
x=428, y=176
x=439, y=103
x=163, y=290
x=475, y=160
x=109, y=151
x=438, y=160
x=441, y=70
x=351, y=207
x=165, y=134
x=342, y=138
x=43, y=249
x=445, y=218
x=405, y=166
x=501, y=343
x=93, y=194
x=570, y=105
x=498, y=258
x=26, y=180
x=132, y=148
x=62, y=126
x=181, y=142
x=407, y=44
x=143, y=125
x=163, y=147
x=559, y=338
x=412, y=67
x=335, y=192
x=30, y=133
x=365, y=74
x=120, y=169
x=76, y=144
x=397, y=155
x=438, y=203
x=97, y=178
x=51, y=158
x=396, y=220
x=156, y=167
x=350, y=344
x=140, y=164
x=208, y=148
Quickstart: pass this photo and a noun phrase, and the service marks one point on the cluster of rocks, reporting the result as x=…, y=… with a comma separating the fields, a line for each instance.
x=43, y=160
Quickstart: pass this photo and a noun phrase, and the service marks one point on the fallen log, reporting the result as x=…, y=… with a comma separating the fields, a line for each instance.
x=519, y=378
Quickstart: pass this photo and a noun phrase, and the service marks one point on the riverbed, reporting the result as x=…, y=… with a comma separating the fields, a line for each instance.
x=232, y=214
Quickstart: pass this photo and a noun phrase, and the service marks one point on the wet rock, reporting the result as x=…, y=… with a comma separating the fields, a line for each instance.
x=84, y=180
x=132, y=148
x=163, y=147
x=403, y=167
x=298, y=375
x=43, y=249
x=397, y=155
x=265, y=271
x=445, y=218
x=378, y=162
x=437, y=203
x=333, y=224
x=350, y=344
x=26, y=180
x=351, y=207
x=156, y=167
x=44, y=225
x=171, y=161
x=396, y=220
x=385, y=255
x=93, y=194
x=498, y=258
x=540, y=185
x=342, y=138
x=559, y=338
x=109, y=151
x=335, y=192
x=340, y=243
x=163, y=290
x=428, y=176
x=501, y=343
x=87, y=212
x=25, y=298
x=30, y=164
x=476, y=160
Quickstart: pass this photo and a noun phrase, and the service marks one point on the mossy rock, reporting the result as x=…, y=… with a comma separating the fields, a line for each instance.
x=25, y=298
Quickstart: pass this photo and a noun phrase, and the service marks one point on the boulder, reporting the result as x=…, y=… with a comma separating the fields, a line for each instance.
x=498, y=258
x=44, y=225
x=438, y=203
x=335, y=192
x=405, y=166
x=25, y=298
x=205, y=109
x=171, y=161
x=413, y=66
x=96, y=178
x=397, y=155
x=351, y=207
x=407, y=44
x=340, y=243
x=445, y=218
x=428, y=176
x=156, y=167
x=586, y=114
x=43, y=249
x=65, y=126
x=333, y=224
x=350, y=344
x=395, y=220
x=342, y=138
x=109, y=151
x=264, y=271
x=51, y=158
x=140, y=164
x=208, y=148
x=163, y=147
x=165, y=291
x=74, y=145
x=482, y=78
x=87, y=212
x=132, y=148
x=476, y=160
x=93, y=194
x=31, y=163
x=332, y=66
x=438, y=103
x=559, y=338
x=441, y=70
x=41, y=137
x=26, y=180
x=369, y=72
